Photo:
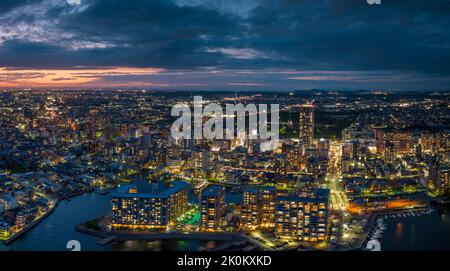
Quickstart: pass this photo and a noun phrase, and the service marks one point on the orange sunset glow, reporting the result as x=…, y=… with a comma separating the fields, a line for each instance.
x=64, y=78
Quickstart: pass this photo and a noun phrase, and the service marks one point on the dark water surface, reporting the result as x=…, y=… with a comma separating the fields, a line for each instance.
x=426, y=232
x=57, y=229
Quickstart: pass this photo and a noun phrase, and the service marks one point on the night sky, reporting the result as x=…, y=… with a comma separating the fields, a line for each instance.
x=225, y=44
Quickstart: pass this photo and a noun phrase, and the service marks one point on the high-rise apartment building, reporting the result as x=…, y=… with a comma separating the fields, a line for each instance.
x=149, y=206
x=258, y=208
x=250, y=209
x=212, y=208
x=303, y=217
x=268, y=203
x=306, y=124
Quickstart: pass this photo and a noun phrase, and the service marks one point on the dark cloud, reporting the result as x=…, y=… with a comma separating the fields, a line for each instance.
x=8, y=5
x=398, y=36
x=111, y=32
x=349, y=34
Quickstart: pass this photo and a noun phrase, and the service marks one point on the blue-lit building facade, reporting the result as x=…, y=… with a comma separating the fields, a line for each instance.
x=149, y=207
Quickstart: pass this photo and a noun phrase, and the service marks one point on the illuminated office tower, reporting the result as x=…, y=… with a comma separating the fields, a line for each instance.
x=268, y=197
x=303, y=217
x=307, y=124
x=250, y=209
x=212, y=208
x=148, y=206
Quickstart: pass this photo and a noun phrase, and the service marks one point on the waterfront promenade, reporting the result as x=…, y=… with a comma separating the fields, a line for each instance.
x=36, y=221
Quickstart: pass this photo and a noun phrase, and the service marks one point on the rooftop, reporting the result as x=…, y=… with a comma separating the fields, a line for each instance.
x=146, y=189
x=213, y=190
x=319, y=196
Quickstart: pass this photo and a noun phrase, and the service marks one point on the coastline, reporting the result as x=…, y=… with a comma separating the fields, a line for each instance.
x=41, y=218
x=105, y=237
x=29, y=226
x=380, y=214
x=108, y=237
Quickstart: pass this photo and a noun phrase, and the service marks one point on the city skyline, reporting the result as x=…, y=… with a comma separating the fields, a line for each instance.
x=233, y=45
x=241, y=125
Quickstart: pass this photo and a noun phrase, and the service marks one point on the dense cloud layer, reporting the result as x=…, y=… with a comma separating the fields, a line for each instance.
x=385, y=45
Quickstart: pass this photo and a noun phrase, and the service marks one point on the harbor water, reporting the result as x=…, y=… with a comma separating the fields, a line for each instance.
x=425, y=232
x=429, y=232
x=53, y=233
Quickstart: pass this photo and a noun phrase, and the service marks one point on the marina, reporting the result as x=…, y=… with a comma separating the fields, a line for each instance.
x=387, y=230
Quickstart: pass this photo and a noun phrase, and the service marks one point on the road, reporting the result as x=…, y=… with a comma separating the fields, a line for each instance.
x=338, y=199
